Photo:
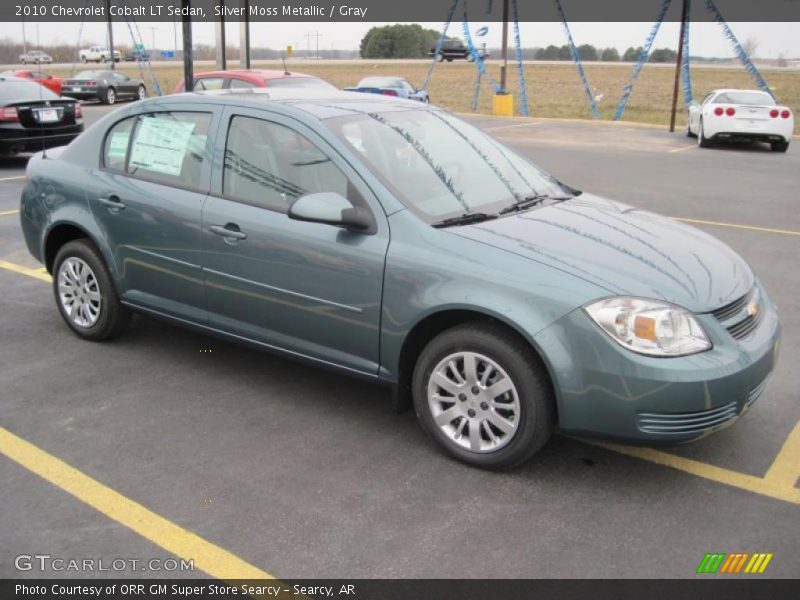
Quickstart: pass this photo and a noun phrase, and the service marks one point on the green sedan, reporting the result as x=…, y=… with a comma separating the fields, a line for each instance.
x=393, y=241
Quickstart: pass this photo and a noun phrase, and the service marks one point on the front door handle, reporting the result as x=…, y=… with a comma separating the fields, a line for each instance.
x=230, y=231
x=113, y=203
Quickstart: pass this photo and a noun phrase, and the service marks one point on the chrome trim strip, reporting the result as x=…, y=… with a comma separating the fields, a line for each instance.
x=284, y=291
x=167, y=258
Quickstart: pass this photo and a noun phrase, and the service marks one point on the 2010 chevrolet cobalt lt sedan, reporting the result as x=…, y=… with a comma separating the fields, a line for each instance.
x=392, y=240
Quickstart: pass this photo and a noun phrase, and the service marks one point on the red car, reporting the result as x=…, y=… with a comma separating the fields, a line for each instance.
x=51, y=83
x=253, y=78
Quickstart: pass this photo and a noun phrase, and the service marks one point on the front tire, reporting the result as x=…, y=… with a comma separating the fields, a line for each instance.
x=483, y=395
x=779, y=146
x=85, y=293
x=110, y=96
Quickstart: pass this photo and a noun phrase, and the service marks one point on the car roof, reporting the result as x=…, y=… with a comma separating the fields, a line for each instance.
x=319, y=103
x=263, y=73
x=726, y=90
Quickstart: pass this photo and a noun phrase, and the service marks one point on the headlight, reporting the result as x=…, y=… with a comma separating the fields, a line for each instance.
x=649, y=326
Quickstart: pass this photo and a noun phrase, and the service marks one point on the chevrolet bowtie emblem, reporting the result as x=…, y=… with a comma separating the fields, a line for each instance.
x=752, y=309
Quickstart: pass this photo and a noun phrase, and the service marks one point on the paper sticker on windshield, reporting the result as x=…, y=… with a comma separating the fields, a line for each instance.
x=118, y=144
x=161, y=145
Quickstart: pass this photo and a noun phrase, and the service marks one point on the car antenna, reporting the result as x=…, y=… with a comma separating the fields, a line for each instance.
x=41, y=99
x=283, y=60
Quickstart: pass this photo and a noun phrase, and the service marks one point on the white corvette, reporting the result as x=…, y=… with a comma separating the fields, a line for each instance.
x=741, y=115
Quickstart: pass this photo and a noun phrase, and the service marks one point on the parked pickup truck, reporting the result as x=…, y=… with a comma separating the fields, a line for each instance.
x=97, y=54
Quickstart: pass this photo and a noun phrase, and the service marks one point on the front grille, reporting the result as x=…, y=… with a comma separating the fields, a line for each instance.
x=737, y=317
x=743, y=328
x=730, y=310
x=686, y=423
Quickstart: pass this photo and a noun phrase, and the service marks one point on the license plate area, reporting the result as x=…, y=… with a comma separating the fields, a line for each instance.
x=47, y=115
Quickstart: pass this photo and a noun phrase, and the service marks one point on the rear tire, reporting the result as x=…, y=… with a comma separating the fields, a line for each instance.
x=511, y=425
x=85, y=294
x=702, y=140
x=779, y=146
x=142, y=93
x=110, y=96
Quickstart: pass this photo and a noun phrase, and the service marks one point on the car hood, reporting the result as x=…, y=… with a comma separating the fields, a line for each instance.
x=625, y=250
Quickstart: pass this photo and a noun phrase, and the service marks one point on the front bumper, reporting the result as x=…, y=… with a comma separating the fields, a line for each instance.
x=604, y=390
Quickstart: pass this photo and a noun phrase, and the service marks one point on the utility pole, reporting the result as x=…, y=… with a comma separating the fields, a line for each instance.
x=110, y=35
x=309, y=35
x=188, y=56
x=220, y=37
x=504, y=48
x=244, y=37
x=679, y=60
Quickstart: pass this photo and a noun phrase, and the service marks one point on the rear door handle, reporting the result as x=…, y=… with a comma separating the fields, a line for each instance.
x=230, y=231
x=113, y=203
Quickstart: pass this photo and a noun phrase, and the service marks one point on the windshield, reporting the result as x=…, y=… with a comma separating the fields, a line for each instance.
x=748, y=98
x=438, y=165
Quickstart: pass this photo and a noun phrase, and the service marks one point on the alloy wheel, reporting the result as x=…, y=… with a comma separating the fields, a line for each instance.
x=79, y=292
x=474, y=401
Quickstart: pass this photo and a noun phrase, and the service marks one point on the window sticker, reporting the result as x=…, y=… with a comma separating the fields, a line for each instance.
x=161, y=145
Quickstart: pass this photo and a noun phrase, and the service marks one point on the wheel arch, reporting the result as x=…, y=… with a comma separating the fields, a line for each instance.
x=440, y=320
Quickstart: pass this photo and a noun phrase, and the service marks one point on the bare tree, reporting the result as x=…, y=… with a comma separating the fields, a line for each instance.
x=750, y=46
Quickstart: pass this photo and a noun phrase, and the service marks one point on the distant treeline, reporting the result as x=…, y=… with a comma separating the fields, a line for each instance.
x=10, y=52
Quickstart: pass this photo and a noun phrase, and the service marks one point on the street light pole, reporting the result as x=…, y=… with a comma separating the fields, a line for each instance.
x=504, y=47
x=110, y=36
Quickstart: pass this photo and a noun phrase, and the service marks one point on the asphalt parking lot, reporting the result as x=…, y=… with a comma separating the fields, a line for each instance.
x=255, y=462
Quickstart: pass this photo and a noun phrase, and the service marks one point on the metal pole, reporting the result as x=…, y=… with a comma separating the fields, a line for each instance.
x=244, y=37
x=678, y=62
x=504, y=47
x=110, y=35
x=220, y=35
x=186, y=23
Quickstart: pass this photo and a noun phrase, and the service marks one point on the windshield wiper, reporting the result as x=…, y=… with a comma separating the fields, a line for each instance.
x=465, y=219
x=531, y=201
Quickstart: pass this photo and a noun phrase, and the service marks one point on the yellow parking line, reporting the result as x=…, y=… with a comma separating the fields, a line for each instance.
x=208, y=557
x=3, y=213
x=785, y=469
x=777, y=483
x=12, y=178
x=681, y=149
x=39, y=273
x=738, y=226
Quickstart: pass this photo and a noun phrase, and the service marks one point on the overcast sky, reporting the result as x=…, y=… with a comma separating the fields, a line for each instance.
x=706, y=39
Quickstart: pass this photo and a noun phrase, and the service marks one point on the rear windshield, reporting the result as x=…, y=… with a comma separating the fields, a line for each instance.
x=300, y=82
x=13, y=91
x=89, y=75
x=749, y=98
x=379, y=82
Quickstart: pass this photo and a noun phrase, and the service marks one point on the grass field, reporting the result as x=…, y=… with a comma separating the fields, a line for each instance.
x=554, y=90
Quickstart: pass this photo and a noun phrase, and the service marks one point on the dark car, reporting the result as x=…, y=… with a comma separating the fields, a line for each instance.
x=106, y=86
x=33, y=118
x=136, y=56
x=455, y=49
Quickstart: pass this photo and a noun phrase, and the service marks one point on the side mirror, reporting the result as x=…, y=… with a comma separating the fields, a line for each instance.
x=332, y=209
